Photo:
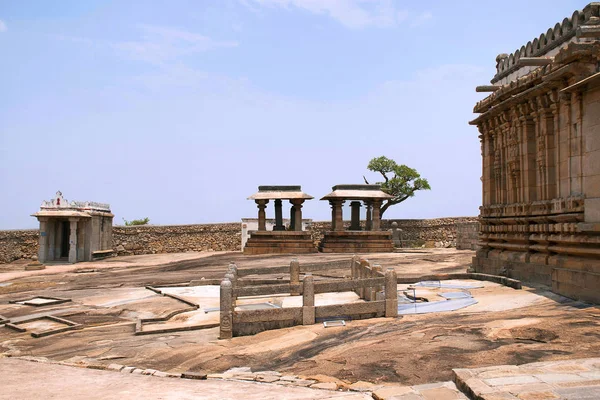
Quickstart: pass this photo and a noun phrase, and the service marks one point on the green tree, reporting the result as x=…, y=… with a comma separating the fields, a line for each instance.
x=403, y=184
x=143, y=221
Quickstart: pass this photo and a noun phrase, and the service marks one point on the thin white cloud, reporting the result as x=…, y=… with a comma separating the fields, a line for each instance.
x=350, y=13
x=3, y=27
x=421, y=19
x=162, y=44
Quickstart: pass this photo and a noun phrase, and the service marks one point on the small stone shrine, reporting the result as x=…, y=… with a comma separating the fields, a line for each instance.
x=73, y=231
x=281, y=239
x=356, y=240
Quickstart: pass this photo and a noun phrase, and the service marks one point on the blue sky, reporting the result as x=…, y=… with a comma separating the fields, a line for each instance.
x=178, y=110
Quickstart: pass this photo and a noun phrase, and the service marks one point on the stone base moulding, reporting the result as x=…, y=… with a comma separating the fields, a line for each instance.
x=280, y=242
x=357, y=242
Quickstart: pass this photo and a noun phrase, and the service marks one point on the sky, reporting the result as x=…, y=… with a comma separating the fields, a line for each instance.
x=178, y=110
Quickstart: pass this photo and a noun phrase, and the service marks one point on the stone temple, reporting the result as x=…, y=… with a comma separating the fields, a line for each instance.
x=540, y=141
x=73, y=231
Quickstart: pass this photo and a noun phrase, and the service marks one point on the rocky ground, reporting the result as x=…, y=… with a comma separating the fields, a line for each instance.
x=508, y=326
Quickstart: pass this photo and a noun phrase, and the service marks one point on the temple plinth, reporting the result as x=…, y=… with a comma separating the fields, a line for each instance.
x=281, y=239
x=355, y=239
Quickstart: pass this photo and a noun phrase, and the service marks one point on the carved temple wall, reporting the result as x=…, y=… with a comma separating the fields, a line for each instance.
x=540, y=142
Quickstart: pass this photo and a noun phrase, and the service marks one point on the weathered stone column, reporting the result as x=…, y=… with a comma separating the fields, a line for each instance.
x=262, y=215
x=337, y=219
x=278, y=216
x=363, y=272
x=297, y=215
x=293, y=218
x=353, y=270
x=376, y=224
x=226, y=320
x=369, y=222
x=294, y=276
x=308, y=300
x=233, y=272
x=73, y=241
x=391, y=293
x=51, y=244
x=355, y=216
x=376, y=272
x=43, y=240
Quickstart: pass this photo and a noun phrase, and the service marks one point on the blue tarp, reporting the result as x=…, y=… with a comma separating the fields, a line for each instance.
x=438, y=284
x=435, y=306
x=456, y=295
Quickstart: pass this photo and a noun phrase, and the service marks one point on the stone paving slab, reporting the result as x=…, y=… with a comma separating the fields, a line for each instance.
x=23, y=379
x=430, y=391
x=565, y=379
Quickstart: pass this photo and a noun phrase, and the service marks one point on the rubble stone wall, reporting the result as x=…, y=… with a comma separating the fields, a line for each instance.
x=18, y=244
x=154, y=239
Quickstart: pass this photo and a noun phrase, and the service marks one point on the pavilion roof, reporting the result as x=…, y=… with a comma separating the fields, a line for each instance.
x=357, y=192
x=61, y=213
x=289, y=192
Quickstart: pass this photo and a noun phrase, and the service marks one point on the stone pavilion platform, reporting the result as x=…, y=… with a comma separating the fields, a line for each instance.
x=282, y=239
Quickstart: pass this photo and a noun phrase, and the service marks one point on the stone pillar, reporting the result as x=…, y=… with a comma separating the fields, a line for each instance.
x=73, y=241
x=369, y=223
x=294, y=276
x=376, y=272
x=262, y=215
x=363, y=272
x=391, y=293
x=43, y=240
x=293, y=218
x=51, y=232
x=232, y=274
x=308, y=300
x=297, y=214
x=337, y=219
x=355, y=216
x=396, y=232
x=226, y=320
x=278, y=216
x=376, y=224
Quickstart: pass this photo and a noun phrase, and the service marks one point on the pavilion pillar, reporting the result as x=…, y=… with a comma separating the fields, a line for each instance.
x=43, y=240
x=73, y=241
x=278, y=216
x=376, y=223
x=337, y=219
x=51, y=232
x=369, y=223
x=293, y=218
x=297, y=216
x=355, y=216
x=262, y=215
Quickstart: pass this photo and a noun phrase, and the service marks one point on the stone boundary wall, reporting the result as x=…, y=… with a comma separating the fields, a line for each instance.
x=436, y=232
x=18, y=244
x=153, y=239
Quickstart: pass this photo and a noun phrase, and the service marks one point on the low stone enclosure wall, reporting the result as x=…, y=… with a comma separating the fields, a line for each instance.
x=154, y=239
x=369, y=282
